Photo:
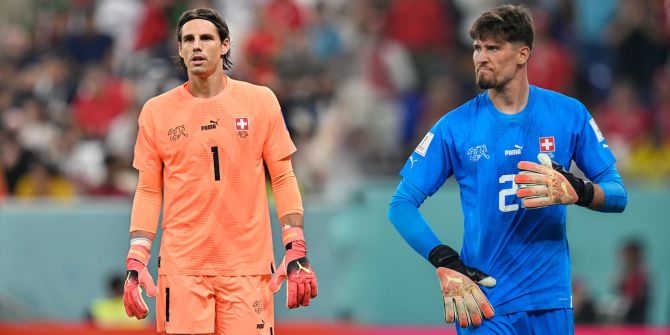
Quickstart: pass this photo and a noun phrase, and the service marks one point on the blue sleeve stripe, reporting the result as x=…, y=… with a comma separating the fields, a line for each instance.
x=405, y=216
x=611, y=183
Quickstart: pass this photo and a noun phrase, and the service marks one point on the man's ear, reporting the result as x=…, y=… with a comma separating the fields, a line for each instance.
x=523, y=54
x=225, y=46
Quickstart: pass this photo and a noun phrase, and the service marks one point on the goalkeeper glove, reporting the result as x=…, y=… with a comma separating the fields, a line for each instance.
x=464, y=301
x=547, y=184
x=137, y=277
x=301, y=284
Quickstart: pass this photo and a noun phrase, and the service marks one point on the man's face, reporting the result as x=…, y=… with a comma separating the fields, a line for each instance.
x=201, y=48
x=496, y=62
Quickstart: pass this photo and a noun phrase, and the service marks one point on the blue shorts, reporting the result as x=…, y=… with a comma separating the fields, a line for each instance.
x=545, y=322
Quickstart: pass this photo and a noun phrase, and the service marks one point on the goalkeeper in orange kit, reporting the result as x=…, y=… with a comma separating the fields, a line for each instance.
x=201, y=150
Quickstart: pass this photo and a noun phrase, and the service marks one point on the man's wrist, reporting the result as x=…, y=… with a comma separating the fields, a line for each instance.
x=585, y=196
x=139, y=253
x=442, y=256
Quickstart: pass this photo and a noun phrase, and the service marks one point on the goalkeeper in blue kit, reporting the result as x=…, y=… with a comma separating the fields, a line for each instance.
x=510, y=149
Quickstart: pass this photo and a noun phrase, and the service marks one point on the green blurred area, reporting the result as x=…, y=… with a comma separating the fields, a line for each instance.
x=56, y=258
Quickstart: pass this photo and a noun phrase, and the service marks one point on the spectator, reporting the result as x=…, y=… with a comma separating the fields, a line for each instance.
x=89, y=45
x=624, y=121
x=551, y=66
x=633, y=283
x=100, y=99
x=43, y=181
x=636, y=39
x=109, y=313
x=582, y=302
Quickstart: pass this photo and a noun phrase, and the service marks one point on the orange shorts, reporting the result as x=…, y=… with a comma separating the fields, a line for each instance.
x=214, y=304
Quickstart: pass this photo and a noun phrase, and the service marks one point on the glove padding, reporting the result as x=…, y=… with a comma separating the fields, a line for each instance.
x=137, y=278
x=301, y=284
x=464, y=301
x=547, y=184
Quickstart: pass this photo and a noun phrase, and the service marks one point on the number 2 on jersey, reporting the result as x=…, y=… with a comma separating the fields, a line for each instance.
x=215, y=158
x=502, y=206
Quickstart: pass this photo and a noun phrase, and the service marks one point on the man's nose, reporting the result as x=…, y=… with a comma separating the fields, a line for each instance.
x=482, y=57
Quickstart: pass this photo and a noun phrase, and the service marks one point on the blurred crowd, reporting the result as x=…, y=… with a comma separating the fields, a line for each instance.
x=630, y=299
x=359, y=82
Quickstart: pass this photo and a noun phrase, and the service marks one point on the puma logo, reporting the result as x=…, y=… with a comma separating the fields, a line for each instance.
x=457, y=280
x=211, y=125
x=300, y=267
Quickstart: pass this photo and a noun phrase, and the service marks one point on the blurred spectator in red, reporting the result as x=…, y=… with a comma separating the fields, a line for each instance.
x=662, y=105
x=3, y=185
x=420, y=25
x=633, y=283
x=624, y=121
x=153, y=27
x=261, y=47
x=99, y=100
x=285, y=16
x=551, y=66
x=426, y=29
x=582, y=303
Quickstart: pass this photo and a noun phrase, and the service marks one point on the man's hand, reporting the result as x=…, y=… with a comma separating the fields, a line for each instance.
x=547, y=184
x=137, y=278
x=464, y=301
x=302, y=283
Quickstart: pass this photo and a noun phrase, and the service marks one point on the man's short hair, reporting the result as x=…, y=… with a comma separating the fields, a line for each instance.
x=507, y=23
x=215, y=18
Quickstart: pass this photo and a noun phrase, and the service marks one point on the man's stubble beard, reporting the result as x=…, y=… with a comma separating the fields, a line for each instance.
x=484, y=84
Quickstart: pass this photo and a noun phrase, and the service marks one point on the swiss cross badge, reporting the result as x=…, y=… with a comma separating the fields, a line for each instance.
x=547, y=144
x=242, y=126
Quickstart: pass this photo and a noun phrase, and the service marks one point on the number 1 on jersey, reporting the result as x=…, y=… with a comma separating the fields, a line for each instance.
x=215, y=157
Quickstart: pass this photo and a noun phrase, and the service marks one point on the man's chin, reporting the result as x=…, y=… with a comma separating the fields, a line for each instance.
x=485, y=84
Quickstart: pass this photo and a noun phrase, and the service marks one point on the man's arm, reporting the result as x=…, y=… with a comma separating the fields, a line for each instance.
x=548, y=183
x=301, y=279
x=405, y=216
x=143, y=223
x=464, y=301
x=609, y=192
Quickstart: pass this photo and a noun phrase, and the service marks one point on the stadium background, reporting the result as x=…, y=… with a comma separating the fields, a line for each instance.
x=359, y=83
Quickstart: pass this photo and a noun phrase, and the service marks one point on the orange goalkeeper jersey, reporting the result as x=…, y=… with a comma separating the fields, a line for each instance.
x=211, y=150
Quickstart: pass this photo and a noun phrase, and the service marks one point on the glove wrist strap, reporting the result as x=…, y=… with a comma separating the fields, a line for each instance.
x=291, y=234
x=442, y=256
x=585, y=197
x=139, y=253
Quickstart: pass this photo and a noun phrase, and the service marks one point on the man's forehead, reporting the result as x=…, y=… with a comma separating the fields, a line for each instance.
x=489, y=41
x=198, y=26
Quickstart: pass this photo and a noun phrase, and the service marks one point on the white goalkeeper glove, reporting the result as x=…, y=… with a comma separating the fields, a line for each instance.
x=547, y=184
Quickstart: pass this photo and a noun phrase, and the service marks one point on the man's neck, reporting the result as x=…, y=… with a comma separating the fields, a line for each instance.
x=511, y=98
x=206, y=87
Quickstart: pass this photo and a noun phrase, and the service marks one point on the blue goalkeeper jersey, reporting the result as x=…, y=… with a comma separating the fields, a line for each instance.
x=525, y=250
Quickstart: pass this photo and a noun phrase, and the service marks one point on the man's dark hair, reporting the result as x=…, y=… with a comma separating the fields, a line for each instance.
x=215, y=18
x=507, y=23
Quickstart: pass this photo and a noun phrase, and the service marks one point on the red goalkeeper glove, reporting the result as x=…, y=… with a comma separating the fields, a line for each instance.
x=301, y=284
x=464, y=301
x=137, y=278
x=547, y=184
